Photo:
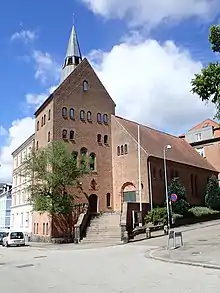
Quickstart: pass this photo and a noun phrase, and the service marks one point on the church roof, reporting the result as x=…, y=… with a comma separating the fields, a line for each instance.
x=154, y=141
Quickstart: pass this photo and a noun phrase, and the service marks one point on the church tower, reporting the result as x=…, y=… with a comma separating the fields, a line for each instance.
x=73, y=55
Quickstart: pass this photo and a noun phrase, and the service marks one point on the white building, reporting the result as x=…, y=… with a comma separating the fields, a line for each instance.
x=21, y=210
x=5, y=206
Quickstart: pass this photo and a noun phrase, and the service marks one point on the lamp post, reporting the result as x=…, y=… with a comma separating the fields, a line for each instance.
x=167, y=147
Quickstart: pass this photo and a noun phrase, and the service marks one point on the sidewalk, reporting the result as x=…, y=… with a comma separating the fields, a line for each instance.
x=201, y=246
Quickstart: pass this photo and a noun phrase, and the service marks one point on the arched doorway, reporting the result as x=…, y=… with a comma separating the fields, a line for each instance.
x=93, y=202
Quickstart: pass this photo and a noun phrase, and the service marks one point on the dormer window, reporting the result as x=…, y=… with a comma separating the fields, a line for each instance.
x=85, y=85
x=99, y=118
x=82, y=115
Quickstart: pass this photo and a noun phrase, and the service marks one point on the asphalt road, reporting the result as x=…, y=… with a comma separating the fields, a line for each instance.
x=122, y=268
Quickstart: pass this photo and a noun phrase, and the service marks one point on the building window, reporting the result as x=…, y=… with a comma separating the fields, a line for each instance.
x=85, y=86
x=44, y=229
x=126, y=148
x=92, y=162
x=38, y=125
x=34, y=228
x=160, y=174
x=108, y=200
x=83, y=161
x=105, y=118
x=72, y=114
x=47, y=229
x=64, y=134
x=122, y=150
x=192, y=184
x=99, y=118
x=70, y=61
x=37, y=228
x=198, y=136
x=82, y=115
x=105, y=139
x=195, y=179
x=118, y=150
x=201, y=151
x=72, y=135
x=37, y=146
x=99, y=138
x=89, y=116
x=64, y=112
x=44, y=119
x=172, y=174
x=48, y=136
x=154, y=173
x=49, y=114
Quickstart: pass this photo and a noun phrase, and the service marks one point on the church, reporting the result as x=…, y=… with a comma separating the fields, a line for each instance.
x=126, y=159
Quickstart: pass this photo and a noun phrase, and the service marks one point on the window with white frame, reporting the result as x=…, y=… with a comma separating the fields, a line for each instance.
x=201, y=151
x=198, y=136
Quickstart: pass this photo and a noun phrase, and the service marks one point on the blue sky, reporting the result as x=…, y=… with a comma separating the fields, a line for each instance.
x=99, y=28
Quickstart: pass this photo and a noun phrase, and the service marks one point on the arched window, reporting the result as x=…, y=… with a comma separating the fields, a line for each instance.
x=160, y=174
x=49, y=114
x=126, y=148
x=64, y=112
x=37, y=125
x=105, y=139
x=122, y=150
x=99, y=118
x=85, y=86
x=92, y=162
x=82, y=115
x=89, y=116
x=42, y=121
x=105, y=118
x=83, y=161
x=154, y=173
x=72, y=114
x=48, y=136
x=70, y=61
x=72, y=135
x=37, y=145
x=99, y=138
x=118, y=150
x=108, y=200
x=64, y=134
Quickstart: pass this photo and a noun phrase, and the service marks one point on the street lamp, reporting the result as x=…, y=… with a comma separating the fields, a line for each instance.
x=167, y=147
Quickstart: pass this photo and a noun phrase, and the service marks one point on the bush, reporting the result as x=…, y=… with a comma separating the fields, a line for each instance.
x=157, y=216
x=212, y=197
x=178, y=188
x=202, y=211
x=176, y=217
x=180, y=207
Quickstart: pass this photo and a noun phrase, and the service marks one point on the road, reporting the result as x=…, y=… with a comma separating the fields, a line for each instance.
x=123, y=268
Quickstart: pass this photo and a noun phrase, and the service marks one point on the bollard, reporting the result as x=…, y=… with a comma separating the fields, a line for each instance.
x=148, y=233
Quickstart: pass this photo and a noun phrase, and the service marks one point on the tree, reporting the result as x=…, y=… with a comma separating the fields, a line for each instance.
x=52, y=171
x=207, y=83
x=212, y=197
x=181, y=206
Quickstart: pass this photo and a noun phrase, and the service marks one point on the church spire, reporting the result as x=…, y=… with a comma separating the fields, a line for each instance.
x=73, y=55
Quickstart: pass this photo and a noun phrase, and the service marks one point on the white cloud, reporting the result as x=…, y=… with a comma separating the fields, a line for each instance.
x=35, y=100
x=3, y=131
x=24, y=35
x=19, y=131
x=153, y=12
x=46, y=67
x=150, y=83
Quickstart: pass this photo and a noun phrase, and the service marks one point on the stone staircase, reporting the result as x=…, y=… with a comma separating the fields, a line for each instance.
x=104, y=228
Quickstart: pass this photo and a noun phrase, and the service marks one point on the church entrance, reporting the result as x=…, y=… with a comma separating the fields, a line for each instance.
x=93, y=203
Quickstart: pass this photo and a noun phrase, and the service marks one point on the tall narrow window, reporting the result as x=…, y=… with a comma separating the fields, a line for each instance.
x=99, y=138
x=72, y=135
x=44, y=229
x=48, y=136
x=108, y=200
x=92, y=162
x=192, y=184
x=44, y=119
x=105, y=139
x=64, y=134
x=37, y=145
x=49, y=114
x=99, y=118
x=70, y=61
x=89, y=116
x=105, y=118
x=64, y=112
x=47, y=229
x=118, y=150
x=126, y=148
x=37, y=228
x=83, y=154
x=37, y=125
x=72, y=114
x=160, y=174
x=122, y=150
x=195, y=179
x=82, y=115
x=85, y=86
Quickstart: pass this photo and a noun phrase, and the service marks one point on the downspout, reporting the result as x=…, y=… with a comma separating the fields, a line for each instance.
x=150, y=182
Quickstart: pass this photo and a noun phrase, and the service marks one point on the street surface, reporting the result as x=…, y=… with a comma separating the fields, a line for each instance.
x=123, y=268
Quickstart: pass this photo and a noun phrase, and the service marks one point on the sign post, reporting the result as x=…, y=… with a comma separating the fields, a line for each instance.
x=173, y=198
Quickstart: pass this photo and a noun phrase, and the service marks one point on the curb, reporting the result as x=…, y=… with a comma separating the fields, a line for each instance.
x=187, y=263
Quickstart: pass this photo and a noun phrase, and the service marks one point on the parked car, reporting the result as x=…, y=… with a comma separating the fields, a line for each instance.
x=14, y=238
x=2, y=235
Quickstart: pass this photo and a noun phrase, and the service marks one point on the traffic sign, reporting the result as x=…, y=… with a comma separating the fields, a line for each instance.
x=173, y=197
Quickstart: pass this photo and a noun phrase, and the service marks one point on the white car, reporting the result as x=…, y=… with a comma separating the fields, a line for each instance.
x=14, y=238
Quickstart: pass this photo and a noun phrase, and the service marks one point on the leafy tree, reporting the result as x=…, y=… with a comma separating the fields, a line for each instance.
x=207, y=83
x=181, y=206
x=52, y=170
x=212, y=197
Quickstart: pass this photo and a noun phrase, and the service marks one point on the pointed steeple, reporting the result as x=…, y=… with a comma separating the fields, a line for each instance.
x=73, y=55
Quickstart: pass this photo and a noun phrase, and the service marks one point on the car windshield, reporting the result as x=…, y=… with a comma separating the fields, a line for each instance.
x=16, y=235
x=2, y=234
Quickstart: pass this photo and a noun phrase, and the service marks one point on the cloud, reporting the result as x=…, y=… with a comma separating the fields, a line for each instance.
x=19, y=131
x=153, y=12
x=150, y=83
x=24, y=35
x=35, y=100
x=3, y=131
x=46, y=67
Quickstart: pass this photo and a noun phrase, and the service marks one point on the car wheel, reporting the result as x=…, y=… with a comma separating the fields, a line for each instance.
x=6, y=244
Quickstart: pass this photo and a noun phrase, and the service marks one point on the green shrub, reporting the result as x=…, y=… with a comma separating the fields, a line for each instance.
x=178, y=188
x=180, y=207
x=202, y=211
x=176, y=217
x=157, y=216
x=212, y=197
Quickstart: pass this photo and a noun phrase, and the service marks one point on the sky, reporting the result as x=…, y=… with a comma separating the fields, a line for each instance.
x=145, y=52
